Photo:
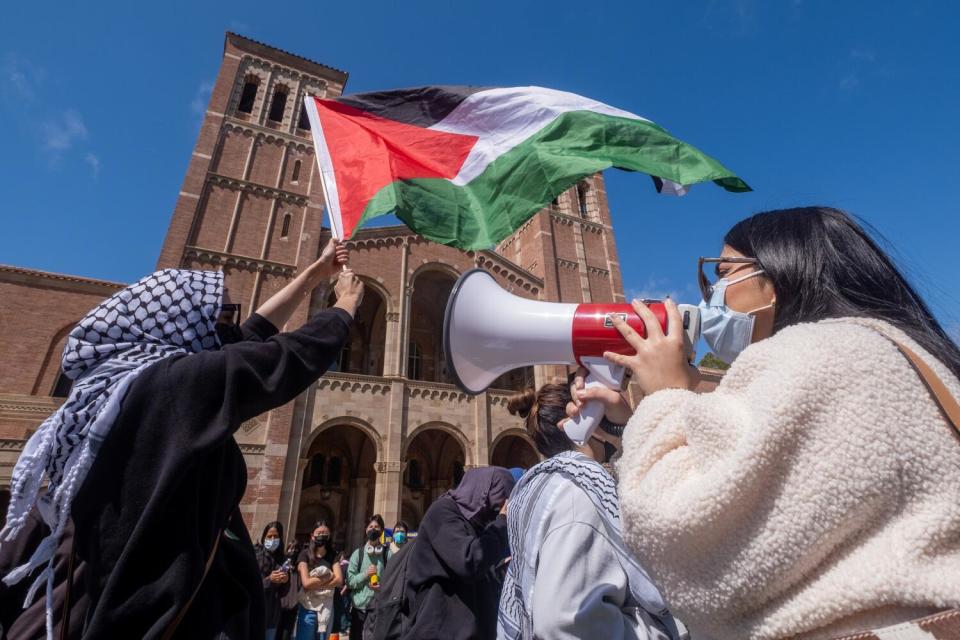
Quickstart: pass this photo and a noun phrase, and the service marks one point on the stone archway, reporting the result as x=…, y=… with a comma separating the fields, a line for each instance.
x=365, y=350
x=338, y=482
x=435, y=461
x=514, y=449
x=432, y=285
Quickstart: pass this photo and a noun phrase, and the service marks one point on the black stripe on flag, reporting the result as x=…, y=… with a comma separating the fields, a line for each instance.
x=419, y=106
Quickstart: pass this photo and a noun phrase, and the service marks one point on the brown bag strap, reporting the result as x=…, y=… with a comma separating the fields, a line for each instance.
x=943, y=397
x=65, y=615
x=183, y=612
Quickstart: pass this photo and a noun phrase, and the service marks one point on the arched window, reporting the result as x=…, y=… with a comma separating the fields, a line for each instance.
x=414, y=474
x=285, y=227
x=343, y=362
x=414, y=362
x=296, y=171
x=248, y=96
x=279, y=104
x=314, y=474
x=333, y=471
x=582, y=199
x=61, y=389
x=304, y=121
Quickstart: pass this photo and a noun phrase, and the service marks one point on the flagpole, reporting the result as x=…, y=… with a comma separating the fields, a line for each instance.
x=315, y=125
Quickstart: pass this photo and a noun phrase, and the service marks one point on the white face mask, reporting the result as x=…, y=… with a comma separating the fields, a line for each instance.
x=271, y=544
x=728, y=332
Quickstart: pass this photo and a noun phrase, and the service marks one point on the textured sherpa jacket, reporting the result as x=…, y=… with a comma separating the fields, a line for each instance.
x=815, y=492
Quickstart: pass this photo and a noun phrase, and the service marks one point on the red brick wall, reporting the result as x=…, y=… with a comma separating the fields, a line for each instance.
x=37, y=310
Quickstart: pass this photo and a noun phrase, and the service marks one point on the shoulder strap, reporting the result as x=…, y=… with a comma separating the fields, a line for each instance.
x=948, y=404
x=172, y=629
x=65, y=614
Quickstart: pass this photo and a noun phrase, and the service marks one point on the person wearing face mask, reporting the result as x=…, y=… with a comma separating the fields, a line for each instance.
x=571, y=575
x=276, y=579
x=364, y=571
x=399, y=537
x=142, y=456
x=462, y=537
x=813, y=494
x=320, y=577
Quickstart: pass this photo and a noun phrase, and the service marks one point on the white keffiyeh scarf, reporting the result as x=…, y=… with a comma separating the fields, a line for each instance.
x=168, y=313
x=529, y=504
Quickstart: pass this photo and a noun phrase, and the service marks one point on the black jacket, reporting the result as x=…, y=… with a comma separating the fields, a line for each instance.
x=451, y=572
x=168, y=480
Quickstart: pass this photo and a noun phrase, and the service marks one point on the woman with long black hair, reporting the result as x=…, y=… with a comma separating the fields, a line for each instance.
x=814, y=493
x=276, y=578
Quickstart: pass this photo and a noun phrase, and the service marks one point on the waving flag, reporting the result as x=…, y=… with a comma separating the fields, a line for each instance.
x=467, y=166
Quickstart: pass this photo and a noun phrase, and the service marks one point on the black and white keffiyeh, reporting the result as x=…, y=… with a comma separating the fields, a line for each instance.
x=168, y=313
x=529, y=504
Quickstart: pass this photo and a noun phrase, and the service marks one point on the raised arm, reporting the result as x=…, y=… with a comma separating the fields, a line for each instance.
x=224, y=388
x=278, y=309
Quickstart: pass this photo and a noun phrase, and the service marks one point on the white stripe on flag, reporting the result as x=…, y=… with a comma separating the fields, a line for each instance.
x=503, y=118
x=328, y=178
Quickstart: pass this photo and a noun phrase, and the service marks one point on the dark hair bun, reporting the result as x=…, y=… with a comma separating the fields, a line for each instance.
x=521, y=403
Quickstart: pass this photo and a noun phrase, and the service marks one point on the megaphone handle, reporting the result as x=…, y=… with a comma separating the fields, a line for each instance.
x=580, y=428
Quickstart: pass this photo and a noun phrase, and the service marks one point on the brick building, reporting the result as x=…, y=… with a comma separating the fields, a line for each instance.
x=386, y=432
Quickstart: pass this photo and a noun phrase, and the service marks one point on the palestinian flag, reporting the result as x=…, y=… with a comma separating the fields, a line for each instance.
x=467, y=166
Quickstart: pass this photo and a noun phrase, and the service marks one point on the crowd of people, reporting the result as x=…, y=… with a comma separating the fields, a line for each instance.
x=813, y=494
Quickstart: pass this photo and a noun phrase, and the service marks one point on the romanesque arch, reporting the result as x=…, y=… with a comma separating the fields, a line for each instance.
x=426, y=360
x=514, y=448
x=436, y=456
x=338, y=482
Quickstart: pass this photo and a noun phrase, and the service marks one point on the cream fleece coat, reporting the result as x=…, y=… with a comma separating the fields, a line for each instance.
x=815, y=492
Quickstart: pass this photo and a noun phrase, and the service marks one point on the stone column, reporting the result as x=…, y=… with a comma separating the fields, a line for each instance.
x=293, y=513
x=395, y=350
x=481, y=437
x=389, y=480
x=357, y=509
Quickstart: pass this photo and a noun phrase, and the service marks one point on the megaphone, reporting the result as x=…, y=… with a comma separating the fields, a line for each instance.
x=488, y=331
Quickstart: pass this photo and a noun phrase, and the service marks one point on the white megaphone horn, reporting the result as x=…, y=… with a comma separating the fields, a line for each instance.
x=488, y=332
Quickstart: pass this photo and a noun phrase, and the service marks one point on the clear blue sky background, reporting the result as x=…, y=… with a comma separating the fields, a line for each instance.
x=850, y=104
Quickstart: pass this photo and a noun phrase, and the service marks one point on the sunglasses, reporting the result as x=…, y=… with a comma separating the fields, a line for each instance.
x=707, y=283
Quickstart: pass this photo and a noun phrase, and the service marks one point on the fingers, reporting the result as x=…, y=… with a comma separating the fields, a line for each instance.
x=631, y=336
x=617, y=358
x=649, y=320
x=579, y=382
x=573, y=408
x=674, y=321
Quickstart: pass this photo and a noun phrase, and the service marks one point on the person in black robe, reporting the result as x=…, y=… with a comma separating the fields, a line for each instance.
x=147, y=436
x=461, y=540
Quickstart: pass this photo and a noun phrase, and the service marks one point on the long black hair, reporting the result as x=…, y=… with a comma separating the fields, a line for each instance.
x=280, y=550
x=823, y=264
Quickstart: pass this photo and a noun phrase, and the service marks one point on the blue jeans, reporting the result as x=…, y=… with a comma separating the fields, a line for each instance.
x=307, y=626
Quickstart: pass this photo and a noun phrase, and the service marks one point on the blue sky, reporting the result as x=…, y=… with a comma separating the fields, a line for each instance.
x=851, y=104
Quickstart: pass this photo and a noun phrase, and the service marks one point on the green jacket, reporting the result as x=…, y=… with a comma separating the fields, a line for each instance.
x=357, y=579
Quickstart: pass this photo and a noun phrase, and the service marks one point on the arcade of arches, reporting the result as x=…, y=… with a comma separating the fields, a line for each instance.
x=339, y=478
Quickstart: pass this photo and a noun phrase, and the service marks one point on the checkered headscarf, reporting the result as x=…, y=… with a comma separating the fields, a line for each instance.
x=168, y=313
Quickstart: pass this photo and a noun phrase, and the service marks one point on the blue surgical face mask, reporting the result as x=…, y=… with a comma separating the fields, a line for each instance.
x=271, y=544
x=728, y=332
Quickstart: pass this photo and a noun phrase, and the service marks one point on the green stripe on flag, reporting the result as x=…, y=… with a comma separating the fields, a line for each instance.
x=526, y=178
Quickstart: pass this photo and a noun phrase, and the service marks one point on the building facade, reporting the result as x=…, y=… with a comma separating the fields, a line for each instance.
x=386, y=432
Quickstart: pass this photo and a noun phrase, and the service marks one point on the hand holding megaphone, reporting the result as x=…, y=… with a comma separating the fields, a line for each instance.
x=488, y=332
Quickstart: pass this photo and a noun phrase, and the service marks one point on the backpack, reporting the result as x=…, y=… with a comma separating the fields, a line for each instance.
x=392, y=610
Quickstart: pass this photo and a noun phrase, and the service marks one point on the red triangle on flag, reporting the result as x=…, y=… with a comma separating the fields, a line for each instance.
x=369, y=152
